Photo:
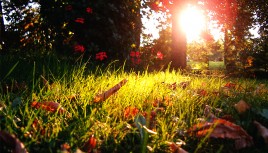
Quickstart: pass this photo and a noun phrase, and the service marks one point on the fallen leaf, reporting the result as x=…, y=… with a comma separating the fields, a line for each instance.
x=228, y=117
x=130, y=112
x=202, y=92
x=90, y=144
x=241, y=107
x=49, y=106
x=105, y=95
x=12, y=142
x=230, y=85
x=175, y=148
x=263, y=131
x=65, y=148
x=220, y=128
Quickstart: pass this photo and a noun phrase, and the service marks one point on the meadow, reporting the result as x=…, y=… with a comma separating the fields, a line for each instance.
x=53, y=106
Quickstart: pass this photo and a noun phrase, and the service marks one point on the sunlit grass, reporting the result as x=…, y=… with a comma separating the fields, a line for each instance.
x=75, y=88
x=216, y=65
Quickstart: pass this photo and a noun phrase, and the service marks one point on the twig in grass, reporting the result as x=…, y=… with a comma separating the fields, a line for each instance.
x=105, y=95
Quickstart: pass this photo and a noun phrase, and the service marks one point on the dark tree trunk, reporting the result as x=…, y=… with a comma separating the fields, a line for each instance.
x=178, y=53
x=2, y=27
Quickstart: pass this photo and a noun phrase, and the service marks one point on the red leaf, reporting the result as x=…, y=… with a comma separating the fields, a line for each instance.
x=65, y=148
x=220, y=128
x=230, y=85
x=90, y=144
x=49, y=106
x=130, y=112
x=12, y=142
x=105, y=95
x=202, y=92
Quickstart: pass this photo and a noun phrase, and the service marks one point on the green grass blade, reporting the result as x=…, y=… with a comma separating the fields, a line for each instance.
x=10, y=71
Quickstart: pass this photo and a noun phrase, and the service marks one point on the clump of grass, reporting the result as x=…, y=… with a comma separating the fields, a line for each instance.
x=176, y=109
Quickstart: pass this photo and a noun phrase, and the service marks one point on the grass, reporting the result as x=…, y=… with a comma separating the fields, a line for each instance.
x=216, y=65
x=212, y=65
x=115, y=124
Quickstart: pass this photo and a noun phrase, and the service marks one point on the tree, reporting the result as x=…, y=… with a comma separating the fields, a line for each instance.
x=178, y=53
x=236, y=18
x=179, y=43
x=2, y=27
x=85, y=27
x=260, y=48
x=99, y=26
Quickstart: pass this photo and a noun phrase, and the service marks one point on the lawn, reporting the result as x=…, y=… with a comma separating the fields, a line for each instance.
x=214, y=65
x=79, y=109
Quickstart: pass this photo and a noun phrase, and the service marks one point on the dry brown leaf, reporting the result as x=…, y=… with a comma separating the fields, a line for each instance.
x=49, y=106
x=220, y=128
x=12, y=142
x=105, y=95
x=263, y=131
x=174, y=148
x=241, y=107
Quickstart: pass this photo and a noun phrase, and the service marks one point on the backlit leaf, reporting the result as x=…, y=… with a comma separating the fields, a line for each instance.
x=220, y=128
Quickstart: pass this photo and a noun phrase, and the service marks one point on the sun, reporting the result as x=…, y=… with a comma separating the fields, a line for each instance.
x=193, y=22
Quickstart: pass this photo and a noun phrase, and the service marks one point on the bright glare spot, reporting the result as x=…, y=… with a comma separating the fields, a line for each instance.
x=215, y=30
x=193, y=23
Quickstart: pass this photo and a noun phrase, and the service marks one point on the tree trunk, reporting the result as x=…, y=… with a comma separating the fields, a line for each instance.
x=2, y=27
x=229, y=56
x=178, y=52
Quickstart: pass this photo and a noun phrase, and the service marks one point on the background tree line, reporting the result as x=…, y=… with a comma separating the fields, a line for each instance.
x=114, y=27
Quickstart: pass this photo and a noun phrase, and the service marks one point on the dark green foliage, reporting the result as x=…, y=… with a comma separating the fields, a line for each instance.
x=94, y=26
